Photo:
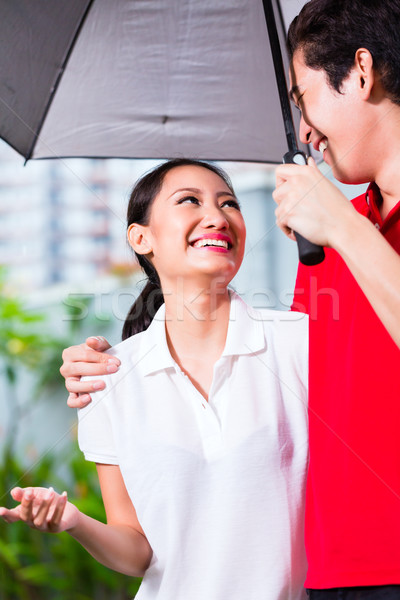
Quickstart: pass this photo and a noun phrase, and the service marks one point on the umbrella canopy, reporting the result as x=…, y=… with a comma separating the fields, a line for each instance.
x=141, y=79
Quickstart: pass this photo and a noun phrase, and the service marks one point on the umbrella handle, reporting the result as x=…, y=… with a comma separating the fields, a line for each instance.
x=309, y=253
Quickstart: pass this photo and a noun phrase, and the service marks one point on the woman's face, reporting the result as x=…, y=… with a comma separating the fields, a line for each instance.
x=196, y=230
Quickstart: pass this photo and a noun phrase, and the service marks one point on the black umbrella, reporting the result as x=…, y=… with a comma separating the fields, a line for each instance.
x=141, y=79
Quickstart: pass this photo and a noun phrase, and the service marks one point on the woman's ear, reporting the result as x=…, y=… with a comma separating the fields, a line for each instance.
x=364, y=65
x=137, y=238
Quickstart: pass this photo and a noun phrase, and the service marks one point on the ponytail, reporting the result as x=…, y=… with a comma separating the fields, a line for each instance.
x=146, y=305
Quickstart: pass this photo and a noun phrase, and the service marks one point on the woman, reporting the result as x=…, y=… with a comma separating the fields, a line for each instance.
x=200, y=437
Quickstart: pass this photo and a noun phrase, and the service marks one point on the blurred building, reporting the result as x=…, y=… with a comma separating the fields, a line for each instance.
x=63, y=222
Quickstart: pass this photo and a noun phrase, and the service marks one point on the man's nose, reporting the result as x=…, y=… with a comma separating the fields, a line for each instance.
x=304, y=131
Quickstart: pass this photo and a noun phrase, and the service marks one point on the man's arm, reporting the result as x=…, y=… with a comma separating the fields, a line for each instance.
x=376, y=268
x=312, y=205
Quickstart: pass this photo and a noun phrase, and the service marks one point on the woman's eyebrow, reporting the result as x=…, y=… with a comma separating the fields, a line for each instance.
x=186, y=189
x=197, y=191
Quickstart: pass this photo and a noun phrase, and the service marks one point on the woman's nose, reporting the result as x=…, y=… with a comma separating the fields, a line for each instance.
x=214, y=216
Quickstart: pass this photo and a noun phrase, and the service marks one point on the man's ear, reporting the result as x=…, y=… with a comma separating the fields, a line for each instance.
x=137, y=238
x=364, y=66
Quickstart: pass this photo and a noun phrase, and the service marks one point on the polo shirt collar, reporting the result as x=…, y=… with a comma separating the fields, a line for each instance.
x=245, y=333
x=154, y=354
x=245, y=336
x=374, y=200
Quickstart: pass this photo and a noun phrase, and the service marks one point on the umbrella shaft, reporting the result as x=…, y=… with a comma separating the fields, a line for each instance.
x=280, y=76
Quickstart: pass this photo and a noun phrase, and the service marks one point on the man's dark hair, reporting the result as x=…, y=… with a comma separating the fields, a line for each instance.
x=329, y=32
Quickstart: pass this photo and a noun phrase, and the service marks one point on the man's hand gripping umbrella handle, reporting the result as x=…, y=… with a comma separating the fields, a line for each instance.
x=309, y=253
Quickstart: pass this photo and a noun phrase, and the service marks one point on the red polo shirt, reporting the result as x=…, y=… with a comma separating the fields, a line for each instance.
x=353, y=492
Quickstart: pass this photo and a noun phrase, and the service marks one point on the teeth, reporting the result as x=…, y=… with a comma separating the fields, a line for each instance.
x=323, y=146
x=205, y=242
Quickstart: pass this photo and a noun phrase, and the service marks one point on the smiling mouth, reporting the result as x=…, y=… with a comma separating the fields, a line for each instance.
x=323, y=145
x=204, y=243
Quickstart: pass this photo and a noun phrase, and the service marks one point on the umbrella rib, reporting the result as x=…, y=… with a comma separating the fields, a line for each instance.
x=58, y=78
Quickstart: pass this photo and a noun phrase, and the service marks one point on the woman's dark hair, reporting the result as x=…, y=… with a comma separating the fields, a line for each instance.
x=140, y=202
x=329, y=32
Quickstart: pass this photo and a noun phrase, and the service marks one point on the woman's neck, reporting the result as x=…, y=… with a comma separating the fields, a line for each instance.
x=197, y=323
x=196, y=329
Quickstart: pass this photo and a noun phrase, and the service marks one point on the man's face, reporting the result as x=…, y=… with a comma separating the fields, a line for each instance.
x=334, y=123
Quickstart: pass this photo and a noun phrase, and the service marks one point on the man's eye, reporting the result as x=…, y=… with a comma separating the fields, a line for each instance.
x=188, y=199
x=298, y=103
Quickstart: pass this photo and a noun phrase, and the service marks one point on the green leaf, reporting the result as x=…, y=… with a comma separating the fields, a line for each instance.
x=34, y=574
x=9, y=554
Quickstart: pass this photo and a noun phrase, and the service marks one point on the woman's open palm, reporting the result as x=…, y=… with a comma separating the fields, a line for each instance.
x=42, y=509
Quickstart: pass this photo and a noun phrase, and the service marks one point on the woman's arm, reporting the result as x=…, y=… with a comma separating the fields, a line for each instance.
x=119, y=545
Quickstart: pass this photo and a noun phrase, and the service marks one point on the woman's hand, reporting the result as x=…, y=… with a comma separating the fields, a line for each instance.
x=86, y=359
x=42, y=509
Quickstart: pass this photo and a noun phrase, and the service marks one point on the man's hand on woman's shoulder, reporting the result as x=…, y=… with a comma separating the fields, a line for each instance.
x=86, y=359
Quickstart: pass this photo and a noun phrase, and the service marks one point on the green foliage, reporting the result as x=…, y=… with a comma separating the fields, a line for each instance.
x=34, y=565
x=25, y=344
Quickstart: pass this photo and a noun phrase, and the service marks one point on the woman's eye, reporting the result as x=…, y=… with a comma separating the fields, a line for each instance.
x=188, y=199
x=232, y=204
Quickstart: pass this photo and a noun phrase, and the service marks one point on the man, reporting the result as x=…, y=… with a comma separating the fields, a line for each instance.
x=345, y=79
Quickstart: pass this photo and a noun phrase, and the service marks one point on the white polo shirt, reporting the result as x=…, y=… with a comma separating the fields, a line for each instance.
x=218, y=487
